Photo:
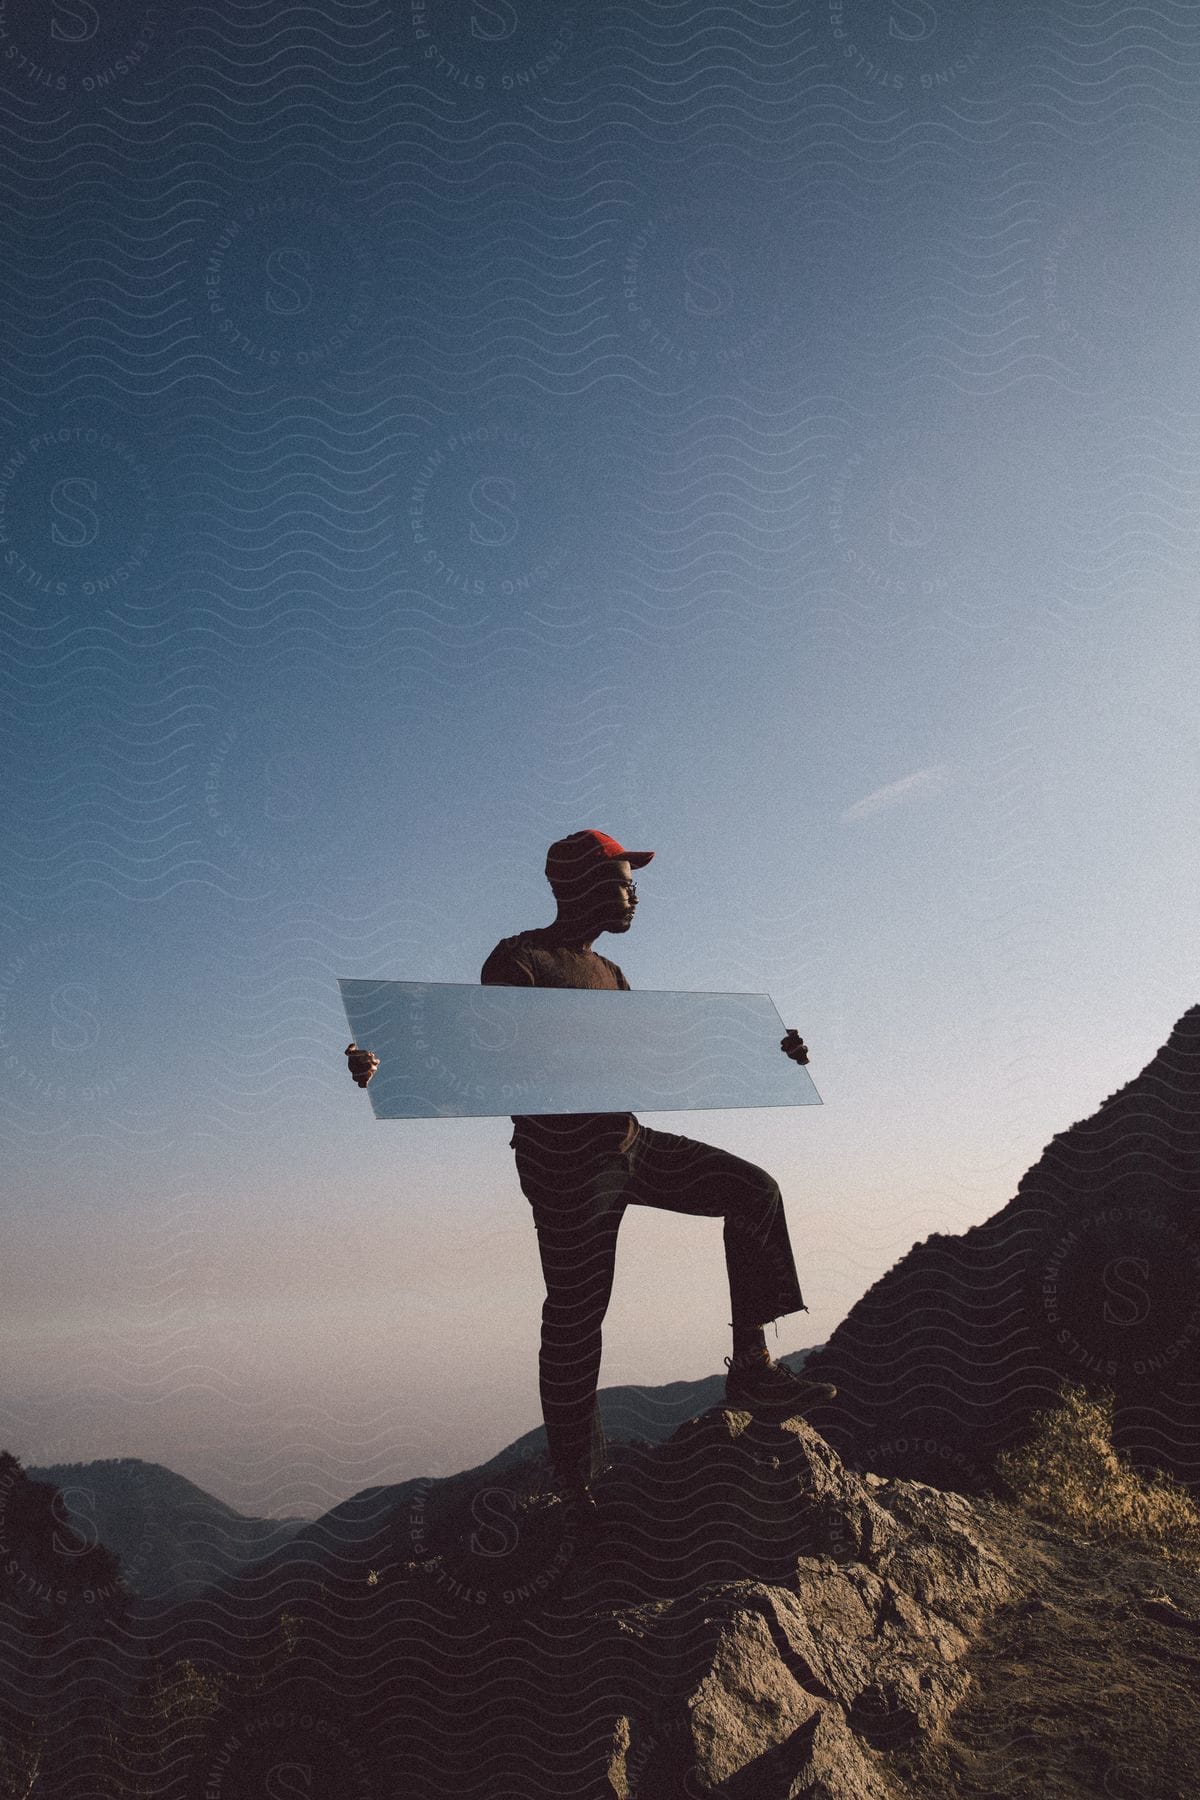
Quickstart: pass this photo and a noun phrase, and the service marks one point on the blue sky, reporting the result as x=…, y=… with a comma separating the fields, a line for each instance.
x=783, y=460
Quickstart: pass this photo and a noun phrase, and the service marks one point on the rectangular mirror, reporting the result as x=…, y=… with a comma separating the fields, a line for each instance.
x=458, y=1050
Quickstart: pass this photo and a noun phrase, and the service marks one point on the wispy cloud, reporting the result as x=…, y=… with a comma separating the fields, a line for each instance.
x=921, y=781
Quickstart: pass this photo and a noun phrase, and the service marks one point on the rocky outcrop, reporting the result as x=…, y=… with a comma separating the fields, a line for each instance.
x=747, y=1619
x=816, y=1620
x=1091, y=1271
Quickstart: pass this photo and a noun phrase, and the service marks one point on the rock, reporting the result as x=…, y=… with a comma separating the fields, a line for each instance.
x=750, y=1620
x=807, y=1627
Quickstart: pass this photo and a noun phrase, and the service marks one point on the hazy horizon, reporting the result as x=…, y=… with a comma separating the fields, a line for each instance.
x=780, y=458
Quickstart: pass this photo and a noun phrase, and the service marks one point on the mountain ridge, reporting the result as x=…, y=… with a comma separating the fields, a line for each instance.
x=171, y=1536
x=1091, y=1271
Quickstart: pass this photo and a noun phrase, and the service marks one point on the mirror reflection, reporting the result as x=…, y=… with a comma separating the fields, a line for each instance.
x=457, y=1050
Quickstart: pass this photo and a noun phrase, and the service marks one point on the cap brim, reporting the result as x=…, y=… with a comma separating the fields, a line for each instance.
x=637, y=859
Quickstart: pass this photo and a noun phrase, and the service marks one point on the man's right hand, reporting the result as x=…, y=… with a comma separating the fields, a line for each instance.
x=363, y=1063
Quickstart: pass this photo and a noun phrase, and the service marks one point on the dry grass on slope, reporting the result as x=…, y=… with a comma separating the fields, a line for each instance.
x=1068, y=1474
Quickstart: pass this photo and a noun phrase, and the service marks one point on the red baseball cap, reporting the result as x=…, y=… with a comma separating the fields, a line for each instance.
x=572, y=856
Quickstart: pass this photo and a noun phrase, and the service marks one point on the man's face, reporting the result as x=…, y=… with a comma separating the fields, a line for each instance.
x=622, y=894
x=606, y=896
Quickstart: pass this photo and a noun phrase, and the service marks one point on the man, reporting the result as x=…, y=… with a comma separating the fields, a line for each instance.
x=579, y=1171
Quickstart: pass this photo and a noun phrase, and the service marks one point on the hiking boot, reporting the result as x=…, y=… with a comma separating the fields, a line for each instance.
x=768, y=1388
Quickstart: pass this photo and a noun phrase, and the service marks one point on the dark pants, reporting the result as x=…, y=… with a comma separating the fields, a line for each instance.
x=577, y=1210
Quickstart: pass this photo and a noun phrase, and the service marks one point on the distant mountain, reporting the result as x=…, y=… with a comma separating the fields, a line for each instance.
x=48, y=1571
x=170, y=1536
x=1092, y=1270
x=174, y=1540
x=359, y=1526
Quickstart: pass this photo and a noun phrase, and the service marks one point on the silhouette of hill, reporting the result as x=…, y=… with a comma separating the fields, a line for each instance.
x=170, y=1536
x=1091, y=1271
x=628, y=1414
x=63, y=1608
x=173, y=1539
x=49, y=1571
x=747, y=1619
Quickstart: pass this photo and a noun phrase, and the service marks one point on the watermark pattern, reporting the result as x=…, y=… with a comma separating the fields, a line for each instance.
x=946, y=1464
x=60, y=1580
x=289, y=284
x=491, y=1031
x=764, y=1233
x=888, y=516
x=63, y=999
x=910, y=47
x=78, y=512
x=669, y=1745
x=507, y=1556
x=494, y=49
x=483, y=513
x=260, y=779
x=1107, y=272
x=288, y=1750
x=1117, y=1292
x=699, y=289
x=70, y=49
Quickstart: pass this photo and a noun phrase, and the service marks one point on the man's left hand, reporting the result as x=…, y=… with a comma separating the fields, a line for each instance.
x=793, y=1045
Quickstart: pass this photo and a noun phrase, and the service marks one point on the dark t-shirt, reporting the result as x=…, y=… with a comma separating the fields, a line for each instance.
x=534, y=959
